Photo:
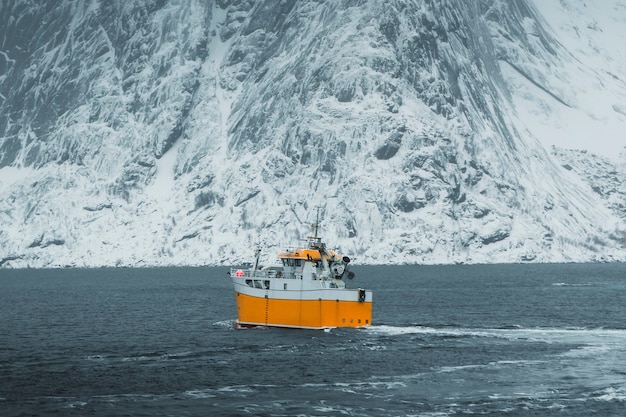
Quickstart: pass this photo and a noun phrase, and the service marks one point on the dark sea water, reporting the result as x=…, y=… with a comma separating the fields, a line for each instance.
x=500, y=340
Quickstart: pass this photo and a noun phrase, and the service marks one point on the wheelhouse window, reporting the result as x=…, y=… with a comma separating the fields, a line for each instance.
x=292, y=262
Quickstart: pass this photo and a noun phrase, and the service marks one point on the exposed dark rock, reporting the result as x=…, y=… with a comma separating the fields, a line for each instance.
x=208, y=199
x=99, y=207
x=391, y=146
x=247, y=197
x=8, y=259
x=495, y=236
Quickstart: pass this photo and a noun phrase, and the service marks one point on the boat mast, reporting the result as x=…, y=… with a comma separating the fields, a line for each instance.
x=315, y=242
x=257, y=254
x=317, y=223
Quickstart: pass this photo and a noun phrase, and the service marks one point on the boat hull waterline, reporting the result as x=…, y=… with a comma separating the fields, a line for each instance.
x=309, y=309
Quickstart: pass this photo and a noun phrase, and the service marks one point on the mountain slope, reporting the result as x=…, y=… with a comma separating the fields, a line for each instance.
x=166, y=133
x=589, y=79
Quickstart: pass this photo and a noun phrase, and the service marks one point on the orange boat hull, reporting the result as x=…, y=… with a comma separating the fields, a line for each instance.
x=310, y=314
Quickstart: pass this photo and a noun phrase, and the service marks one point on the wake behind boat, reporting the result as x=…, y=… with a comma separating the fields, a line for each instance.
x=305, y=290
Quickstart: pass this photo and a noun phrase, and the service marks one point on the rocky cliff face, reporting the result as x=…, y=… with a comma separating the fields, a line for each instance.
x=156, y=132
x=607, y=179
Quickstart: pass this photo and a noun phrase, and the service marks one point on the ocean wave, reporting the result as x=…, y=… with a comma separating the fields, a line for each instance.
x=401, y=330
x=156, y=356
x=377, y=384
x=611, y=394
x=575, y=335
x=567, y=284
x=141, y=357
x=491, y=365
x=76, y=404
x=200, y=393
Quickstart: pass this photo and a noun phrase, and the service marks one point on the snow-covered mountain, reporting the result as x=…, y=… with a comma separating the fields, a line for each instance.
x=186, y=132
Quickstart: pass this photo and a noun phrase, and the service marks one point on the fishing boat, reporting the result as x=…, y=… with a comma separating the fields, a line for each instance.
x=306, y=289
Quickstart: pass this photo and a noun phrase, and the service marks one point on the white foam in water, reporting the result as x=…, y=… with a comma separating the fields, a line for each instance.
x=550, y=335
x=591, y=358
x=326, y=408
x=450, y=369
x=565, y=284
x=395, y=330
x=237, y=388
x=157, y=356
x=200, y=394
x=588, y=350
x=613, y=394
x=76, y=404
x=225, y=323
x=458, y=332
x=95, y=358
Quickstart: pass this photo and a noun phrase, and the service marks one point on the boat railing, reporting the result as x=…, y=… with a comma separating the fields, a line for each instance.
x=261, y=273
